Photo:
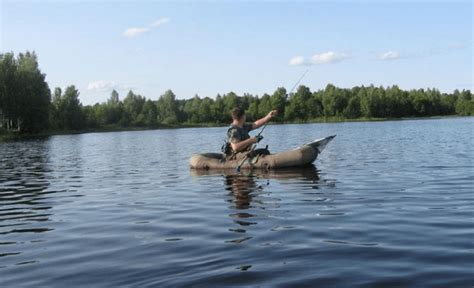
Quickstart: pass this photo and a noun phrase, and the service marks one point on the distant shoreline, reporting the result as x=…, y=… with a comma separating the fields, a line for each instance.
x=15, y=136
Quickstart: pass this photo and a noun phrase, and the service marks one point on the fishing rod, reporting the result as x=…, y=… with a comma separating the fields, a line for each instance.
x=291, y=91
x=301, y=78
x=265, y=125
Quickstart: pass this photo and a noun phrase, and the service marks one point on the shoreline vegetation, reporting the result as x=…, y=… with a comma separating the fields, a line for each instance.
x=28, y=108
x=15, y=135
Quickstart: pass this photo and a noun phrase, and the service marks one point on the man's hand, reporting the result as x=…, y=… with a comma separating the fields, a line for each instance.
x=262, y=121
x=272, y=114
x=256, y=139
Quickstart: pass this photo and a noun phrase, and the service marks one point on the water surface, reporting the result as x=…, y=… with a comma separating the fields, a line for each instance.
x=387, y=204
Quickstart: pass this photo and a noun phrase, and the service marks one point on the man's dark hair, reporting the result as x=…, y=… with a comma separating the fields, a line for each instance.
x=237, y=113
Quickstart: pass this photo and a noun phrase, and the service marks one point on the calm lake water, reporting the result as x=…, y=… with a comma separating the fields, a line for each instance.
x=388, y=204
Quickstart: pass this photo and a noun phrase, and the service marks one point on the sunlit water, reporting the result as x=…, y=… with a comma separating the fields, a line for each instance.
x=388, y=204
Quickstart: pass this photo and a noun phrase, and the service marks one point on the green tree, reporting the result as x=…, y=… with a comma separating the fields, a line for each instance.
x=422, y=103
x=334, y=100
x=252, y=111
x=329, y=103
x=56, y=107
x=72, y=109
x=278, y=101
x=67, y=112
x=370, y=101
x=230, y=100
x=112, y=111
x=132, y=106
x=205, y=110
x=24, y=94
x=353, y=108
x=218, y=111
x=150, y=114
x=9, y=101
x=465, y=103
x=26, y=104
x=91, y=118
x=167, y=108
x=114, y=98
x=297, y=108
x=315, y=105
x=192, y=108
x=264, y=106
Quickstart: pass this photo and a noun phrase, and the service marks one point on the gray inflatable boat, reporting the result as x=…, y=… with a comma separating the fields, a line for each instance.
x=301, y=156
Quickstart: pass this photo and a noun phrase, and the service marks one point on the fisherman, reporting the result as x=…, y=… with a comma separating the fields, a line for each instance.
x=238, y=138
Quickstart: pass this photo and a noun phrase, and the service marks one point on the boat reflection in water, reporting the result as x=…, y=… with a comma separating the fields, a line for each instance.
x=308, y=172
x=243, y=183
x=243, y=186
x=255, y=197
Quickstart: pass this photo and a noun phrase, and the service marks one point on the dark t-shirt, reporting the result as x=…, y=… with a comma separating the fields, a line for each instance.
x=236, y=134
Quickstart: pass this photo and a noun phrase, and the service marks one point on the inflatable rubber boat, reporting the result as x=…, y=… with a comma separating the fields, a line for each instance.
x=301, y=156
x=307, y=173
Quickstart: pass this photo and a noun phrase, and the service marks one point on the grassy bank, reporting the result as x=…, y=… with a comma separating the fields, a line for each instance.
x=13, y=136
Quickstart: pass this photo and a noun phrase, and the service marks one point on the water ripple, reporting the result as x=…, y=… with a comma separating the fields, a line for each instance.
x=388, y=204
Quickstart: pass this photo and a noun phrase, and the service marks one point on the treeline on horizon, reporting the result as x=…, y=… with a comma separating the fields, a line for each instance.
x=27, y=104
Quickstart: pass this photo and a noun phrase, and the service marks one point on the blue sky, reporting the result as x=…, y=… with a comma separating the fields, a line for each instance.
x=207, y=48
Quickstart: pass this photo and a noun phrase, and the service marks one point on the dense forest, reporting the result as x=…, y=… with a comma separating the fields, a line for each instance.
x=27, y=104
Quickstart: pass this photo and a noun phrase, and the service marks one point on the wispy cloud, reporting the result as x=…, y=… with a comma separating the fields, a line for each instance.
x=319, y=58
x=137, y=31
x=160, y=22
x=296, y=61
x=328, y=57
x=101, y=86
x=389, y=55
x=105, y=86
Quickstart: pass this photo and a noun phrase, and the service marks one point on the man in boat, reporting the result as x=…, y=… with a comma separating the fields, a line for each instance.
x=238, y=138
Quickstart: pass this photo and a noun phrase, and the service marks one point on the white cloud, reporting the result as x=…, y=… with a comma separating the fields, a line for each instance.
x=106, y=86
x=137, y=31
x=296, y=61
x=321, y=58
x=134, y=32
x=102, y=86
x=160, y=21
x=389, y=55
x=328, y=57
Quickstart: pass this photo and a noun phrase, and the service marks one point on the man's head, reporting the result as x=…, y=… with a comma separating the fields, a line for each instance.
x=238, y=114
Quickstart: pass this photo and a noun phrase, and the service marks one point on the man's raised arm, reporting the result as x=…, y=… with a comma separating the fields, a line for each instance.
x=260, y=122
